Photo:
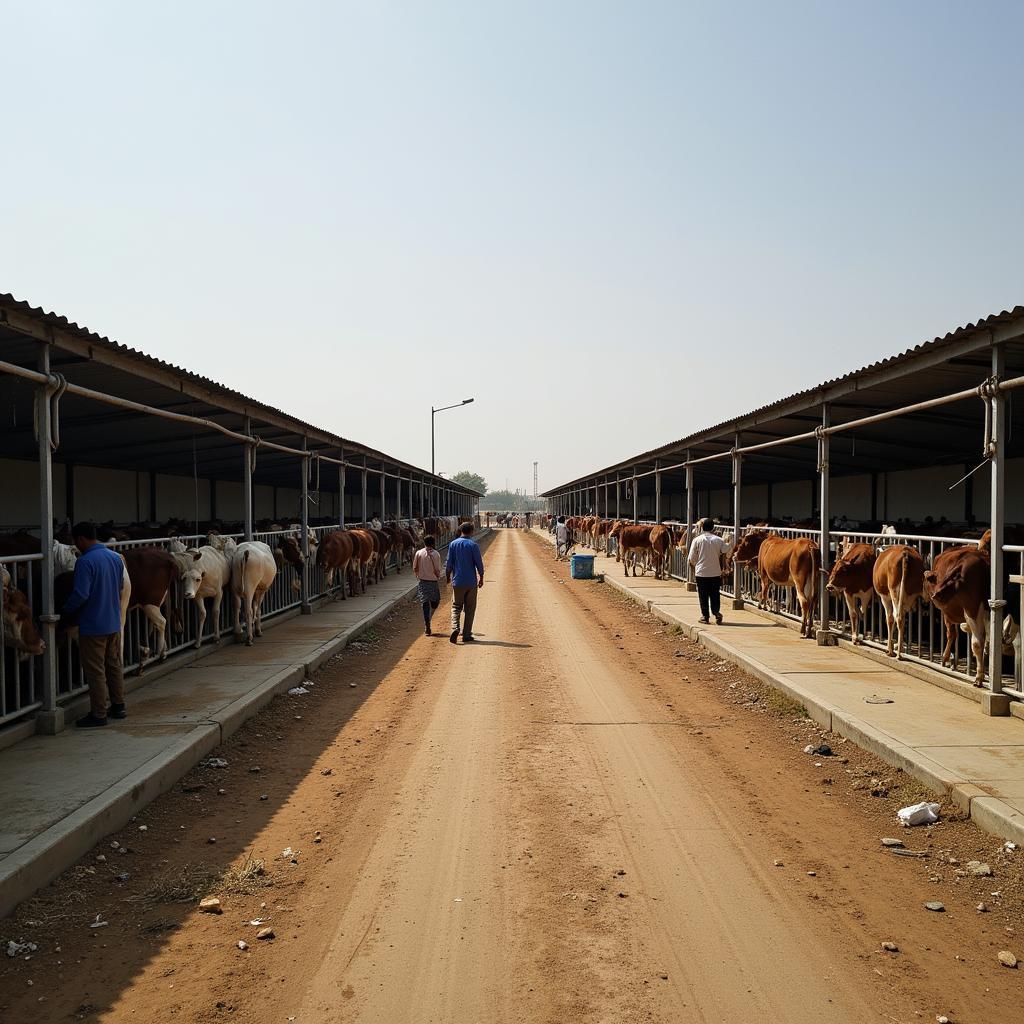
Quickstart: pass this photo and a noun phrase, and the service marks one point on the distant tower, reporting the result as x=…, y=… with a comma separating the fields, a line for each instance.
x=535, y=479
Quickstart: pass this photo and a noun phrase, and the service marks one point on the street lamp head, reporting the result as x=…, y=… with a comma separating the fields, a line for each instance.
x=466, y=401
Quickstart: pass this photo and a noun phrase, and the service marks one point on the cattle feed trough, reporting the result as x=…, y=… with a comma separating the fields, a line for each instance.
x=894, y=429
x=85, y=407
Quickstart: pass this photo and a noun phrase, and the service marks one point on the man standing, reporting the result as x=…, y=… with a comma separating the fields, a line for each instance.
x=464, y=570
x=707, y=554
x=561, y=538
x=99, y=575
x=426, y=567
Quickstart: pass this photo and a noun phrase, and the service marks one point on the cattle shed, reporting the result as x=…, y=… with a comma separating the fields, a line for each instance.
x=96, y=430
x=930, y=441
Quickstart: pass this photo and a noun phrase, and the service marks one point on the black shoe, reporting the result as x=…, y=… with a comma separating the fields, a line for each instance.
x=90, y=721
x=469, y=639
x=718, y=618
x=117, y=711
x=428, y=632
x=454, y=638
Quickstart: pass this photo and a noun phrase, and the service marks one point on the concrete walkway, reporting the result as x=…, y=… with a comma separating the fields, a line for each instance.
x=934, y=735
x=61, y=794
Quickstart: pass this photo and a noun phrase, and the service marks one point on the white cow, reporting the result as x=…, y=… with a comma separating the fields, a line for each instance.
x=253, y=570
x=205, y=572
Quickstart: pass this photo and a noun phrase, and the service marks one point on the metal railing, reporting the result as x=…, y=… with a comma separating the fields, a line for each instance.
x=20, y=680
x=20, y=676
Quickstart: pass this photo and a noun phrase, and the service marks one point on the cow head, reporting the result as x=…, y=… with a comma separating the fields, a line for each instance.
x=749, y=545
x=191, y=573
x=847, y=574
x=18, y=628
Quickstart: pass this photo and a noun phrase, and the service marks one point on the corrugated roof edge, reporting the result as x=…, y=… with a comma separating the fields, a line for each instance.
x=54, y=319
x=986, y=323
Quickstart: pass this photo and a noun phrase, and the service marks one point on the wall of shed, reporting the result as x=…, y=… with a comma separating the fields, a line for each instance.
x=850, y=496
x=178, y=497
x=793, y=499
x=916, y=493
x=19, y=494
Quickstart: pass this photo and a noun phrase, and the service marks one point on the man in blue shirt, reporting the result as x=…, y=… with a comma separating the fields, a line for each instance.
x=99, y=575
x=464, y=570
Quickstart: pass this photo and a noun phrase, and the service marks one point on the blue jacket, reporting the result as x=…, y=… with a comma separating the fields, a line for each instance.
x=464, y=562
x=99, y=574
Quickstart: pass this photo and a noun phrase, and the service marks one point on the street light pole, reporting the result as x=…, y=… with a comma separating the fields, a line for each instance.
x=433, y=413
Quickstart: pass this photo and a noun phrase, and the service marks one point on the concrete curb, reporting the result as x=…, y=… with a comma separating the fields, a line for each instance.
x=40, y=860
x=989, y=813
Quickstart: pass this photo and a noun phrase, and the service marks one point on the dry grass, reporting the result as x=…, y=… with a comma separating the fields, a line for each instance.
x=249, y=876
x=187, y=884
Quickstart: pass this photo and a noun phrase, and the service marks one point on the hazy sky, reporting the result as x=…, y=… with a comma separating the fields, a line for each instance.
x=609, y=223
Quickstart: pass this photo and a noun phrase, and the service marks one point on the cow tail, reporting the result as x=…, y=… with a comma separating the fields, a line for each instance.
x=904, y=562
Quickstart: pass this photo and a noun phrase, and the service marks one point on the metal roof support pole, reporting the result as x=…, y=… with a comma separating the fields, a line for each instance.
x=398, y=496
x=994, y=701
x=618, y=510
x=341, y=487
x=636, y=498
x=824, y=635
x=657, y=493
x=383, y=506
x=249, y=452
x=50, y=717
x=305, y=608
x=606, y=497
x=737, y=492
x=366, y=518
x=687, y=568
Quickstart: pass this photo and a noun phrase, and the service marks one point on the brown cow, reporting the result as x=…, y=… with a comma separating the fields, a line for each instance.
x=634, y=541
x=18, y=628
x=662, y=541
x=338, y=553
x=789, y=563
x=362, y=555
x=898, y=579
x=151, y=572
x=958, y=585
x=851, y=576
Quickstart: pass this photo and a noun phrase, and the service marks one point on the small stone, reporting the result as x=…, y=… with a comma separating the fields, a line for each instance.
x=242, y=944
x=212, y=840
x=265, y=933
x=1007, y=959
x=221, y=792
x=254, y=770
x=318, y=838
x=101, y=858
x=942, y=1020
x=623, y=895
x=778, y=863
x=211, y=905
x=979, y=869
x=351, y=686
x=327, y=771
x=263, y=796
x=935, y=906
x=892, y=843
x=890, y=947
x=143, y=828
x=664, y=977
x=812, y=874
x=981, y=908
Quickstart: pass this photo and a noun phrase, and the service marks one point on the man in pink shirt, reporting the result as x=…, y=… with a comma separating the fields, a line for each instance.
x=426, y=567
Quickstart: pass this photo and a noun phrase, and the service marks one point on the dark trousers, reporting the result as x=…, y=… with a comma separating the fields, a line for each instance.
x=101, y=665
x=709, y=591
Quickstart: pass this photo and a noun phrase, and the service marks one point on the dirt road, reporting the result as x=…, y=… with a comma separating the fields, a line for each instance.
x=571, y=820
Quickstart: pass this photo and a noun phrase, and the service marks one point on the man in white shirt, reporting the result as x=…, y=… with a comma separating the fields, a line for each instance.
x=707, y=554
x=561, y=538
x=426, y=567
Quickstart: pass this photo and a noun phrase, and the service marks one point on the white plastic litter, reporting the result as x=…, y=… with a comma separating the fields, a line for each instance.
x=923, y=813
x=297, y=691
x=99, y=922
x=18, y=948
x=287, y=852
x=214, y=762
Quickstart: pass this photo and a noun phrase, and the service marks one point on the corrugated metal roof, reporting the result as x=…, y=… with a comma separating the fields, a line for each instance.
x=811, y=396
x=64, y=324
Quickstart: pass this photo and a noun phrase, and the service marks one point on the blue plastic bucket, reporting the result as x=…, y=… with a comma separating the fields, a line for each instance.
x=581, y=567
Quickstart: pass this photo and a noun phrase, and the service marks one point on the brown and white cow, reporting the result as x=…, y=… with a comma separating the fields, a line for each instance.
x=338, y=553
x=18, y=628
x=634, y=544
x=788, y=563
x=851, y=576
x=662, y=541
x=898, y=579
x=151, y=572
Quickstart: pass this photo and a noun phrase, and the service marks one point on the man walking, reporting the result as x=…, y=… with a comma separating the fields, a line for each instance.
x=426, y=567
x=464, y=570
x=707, y=554
x=561, y=538
x=99, y=575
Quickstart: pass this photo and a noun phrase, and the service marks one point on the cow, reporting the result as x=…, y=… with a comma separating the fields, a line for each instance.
x=205, y=572
x=64, y=584
x=898, y=579
x=789, y=563
x=662, y=541
x=253, y=571
x=958, y=585
x=362, y=555
x=338, y=553
x=851, y=576
x=634, y=542
x=18, y=629
x=151, y=571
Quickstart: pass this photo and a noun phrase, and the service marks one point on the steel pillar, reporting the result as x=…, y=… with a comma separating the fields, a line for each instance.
x=341, y=488
x=994, y=702
x=383, y=506
x=636, y=498
x=250, y=457
x=366, y=518
x=50, y=717
x=657, y=493
x=737, y=492
x=824, y=634
x=305, y=466
x=690, y=584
